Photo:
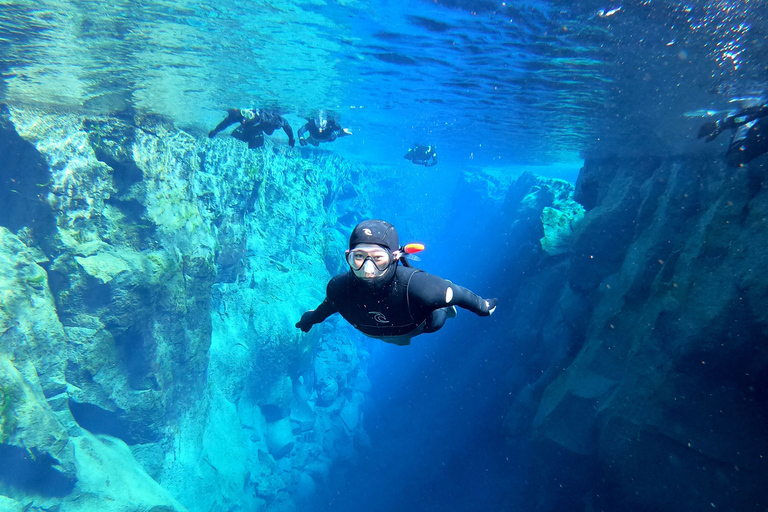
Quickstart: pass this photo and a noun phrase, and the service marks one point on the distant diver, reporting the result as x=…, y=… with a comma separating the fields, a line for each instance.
x=254, y=123
x=321, y=129
x=388, y=301
x=422, y=155
x=750, y=134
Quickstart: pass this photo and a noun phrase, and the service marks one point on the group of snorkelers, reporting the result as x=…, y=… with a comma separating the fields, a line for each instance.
x=748, y=141
x=254, y=123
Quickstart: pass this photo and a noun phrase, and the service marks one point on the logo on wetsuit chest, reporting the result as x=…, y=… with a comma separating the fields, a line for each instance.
x=379, y=317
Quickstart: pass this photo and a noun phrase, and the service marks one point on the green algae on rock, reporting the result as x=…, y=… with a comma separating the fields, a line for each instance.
x=7, y=418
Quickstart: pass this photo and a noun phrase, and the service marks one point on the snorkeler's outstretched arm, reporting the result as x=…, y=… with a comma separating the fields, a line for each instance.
x=746, y=115
x=300, y=134
x=316, y=316
x=233, y=116
x=339, y=132
x=289, y=132
x=325, y=309
x=712, y=129
x=432, y=292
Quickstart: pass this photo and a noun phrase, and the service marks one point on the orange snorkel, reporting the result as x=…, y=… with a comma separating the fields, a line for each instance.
x=410, y=250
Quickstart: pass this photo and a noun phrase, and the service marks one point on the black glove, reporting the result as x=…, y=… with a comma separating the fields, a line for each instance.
x=491, y=305
x=710, y=130
x=303, y=141
x=211, y=134
x=305, y=324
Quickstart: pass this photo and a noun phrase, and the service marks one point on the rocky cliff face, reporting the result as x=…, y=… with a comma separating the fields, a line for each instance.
x=647, y=369
x=149, y=286
x=149, y=283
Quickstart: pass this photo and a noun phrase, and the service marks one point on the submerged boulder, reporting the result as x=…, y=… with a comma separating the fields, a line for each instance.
x=10, y=505
x=280, y=440
x=110, y=479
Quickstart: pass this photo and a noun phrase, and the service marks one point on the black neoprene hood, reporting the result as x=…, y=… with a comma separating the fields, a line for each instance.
x=379, y=232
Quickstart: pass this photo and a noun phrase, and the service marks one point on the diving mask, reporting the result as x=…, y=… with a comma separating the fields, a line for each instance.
x=321, y=122
x=369, y=261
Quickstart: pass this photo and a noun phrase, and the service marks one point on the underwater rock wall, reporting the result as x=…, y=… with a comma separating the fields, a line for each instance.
x=646, y=363
x=150, y=283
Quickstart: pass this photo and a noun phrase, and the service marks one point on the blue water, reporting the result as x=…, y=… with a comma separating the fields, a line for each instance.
x=491, y=84
x=508, y=87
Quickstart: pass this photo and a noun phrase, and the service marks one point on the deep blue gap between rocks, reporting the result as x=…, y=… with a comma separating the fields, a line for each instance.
x=33, y=472
x=25, y=180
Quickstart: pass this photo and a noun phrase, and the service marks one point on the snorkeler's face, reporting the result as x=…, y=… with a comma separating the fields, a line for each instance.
x=369, y=261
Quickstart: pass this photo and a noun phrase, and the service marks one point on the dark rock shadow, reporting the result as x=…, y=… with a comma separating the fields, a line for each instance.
x=33, y=472
x=25, y=181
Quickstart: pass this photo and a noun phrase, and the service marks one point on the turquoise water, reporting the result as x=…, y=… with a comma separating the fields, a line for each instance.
x=151, y=277
x=530, y=82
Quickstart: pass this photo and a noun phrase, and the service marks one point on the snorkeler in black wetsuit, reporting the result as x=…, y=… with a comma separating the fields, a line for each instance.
x=387, y=301
x=422, y=155
x=254, y=123
x=321, y=129
x=750, y=136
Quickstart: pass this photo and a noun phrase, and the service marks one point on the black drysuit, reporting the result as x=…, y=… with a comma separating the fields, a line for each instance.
x=750, y=134
x=330, y=133
x=413, y=302
x=422, y=155
x=252, y=130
